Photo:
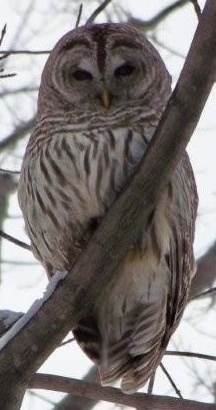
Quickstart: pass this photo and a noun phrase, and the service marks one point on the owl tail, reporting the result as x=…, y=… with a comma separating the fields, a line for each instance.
x=130, y=348
x=136, y=355
x=134, y=371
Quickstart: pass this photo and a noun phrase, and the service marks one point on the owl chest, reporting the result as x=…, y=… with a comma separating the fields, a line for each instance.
x=75, y=179
x=82, y=174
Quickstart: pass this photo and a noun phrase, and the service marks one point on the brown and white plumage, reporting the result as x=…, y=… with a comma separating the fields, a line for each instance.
x=103, y=90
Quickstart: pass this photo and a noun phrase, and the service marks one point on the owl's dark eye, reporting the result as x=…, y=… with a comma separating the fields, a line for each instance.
x=124, y=70
x=82, y=75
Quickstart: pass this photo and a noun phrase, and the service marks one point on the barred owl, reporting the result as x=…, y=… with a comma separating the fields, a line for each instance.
x=103, y=90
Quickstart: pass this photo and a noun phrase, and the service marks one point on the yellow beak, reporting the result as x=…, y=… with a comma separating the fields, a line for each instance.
x=106, y=98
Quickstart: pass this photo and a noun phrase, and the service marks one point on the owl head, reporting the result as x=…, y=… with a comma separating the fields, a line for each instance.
x=101, y=69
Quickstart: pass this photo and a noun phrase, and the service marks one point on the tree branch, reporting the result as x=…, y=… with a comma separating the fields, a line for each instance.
x=3, y=32
x=171, y=381
x=98, y=10
x=145, y=25
x=191, y=354
x=14, y=240
x=206, y=272
x=19, y=133
x=152, y=23
x=39, y=332
x=140, y=401
x=82, y=402
x=197, y=8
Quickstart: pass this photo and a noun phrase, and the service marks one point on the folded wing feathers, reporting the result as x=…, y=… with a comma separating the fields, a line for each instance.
x=138, y=351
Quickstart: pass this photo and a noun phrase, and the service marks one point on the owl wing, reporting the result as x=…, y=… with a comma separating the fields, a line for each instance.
x=141, y=348
x=180, y=259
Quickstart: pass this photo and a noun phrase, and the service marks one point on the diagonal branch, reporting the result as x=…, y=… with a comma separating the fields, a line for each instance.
x=39, y=332
x=98, y=10
x=19, y=133
x=152, y=23
x=14, y=240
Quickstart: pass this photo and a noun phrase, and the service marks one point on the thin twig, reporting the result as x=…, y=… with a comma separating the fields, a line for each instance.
x=6, y=93
x=4, y=56
x=176, y=53
x=191, y=354
x=7, y=75
x=41, y=397
x=158, y=18
x=151, y=383
x=98, y=10
x=67, y=342
x=171, y=381
x=203, y=294
x=196, y=8
x=18, y=263
x=3, y=32
x=18, y=133
x=9, y=172
x=79, y=15
x=31, y=52
x=14, y=240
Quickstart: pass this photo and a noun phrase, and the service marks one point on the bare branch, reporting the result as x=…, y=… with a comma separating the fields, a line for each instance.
x=204, y=294
x=6, y=75
x=156, y=20
x=191, y=354
x=206, y=272
x=197, y=8
x=98, y=10
x=151, y=383
x=138, y=23
x=30, y=52
x=18, y=263
x=177, y=391
x=80, y=402
x=19, y=133
x=3, y=32
x=72, y=339
x=9, y=172
x=13, y=92
x=14, y=240
x=176, y=53
x=140, y=401
x=79, y=15
x=41, y=397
